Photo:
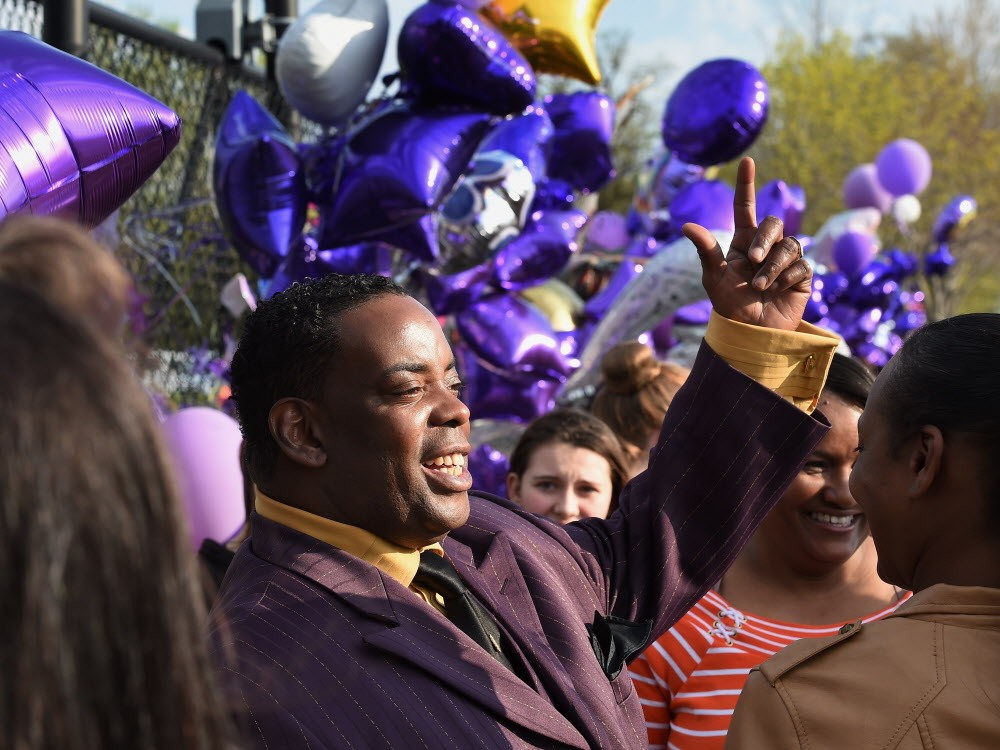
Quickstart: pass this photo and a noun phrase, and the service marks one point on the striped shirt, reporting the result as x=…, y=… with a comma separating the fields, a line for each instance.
x=688, y=681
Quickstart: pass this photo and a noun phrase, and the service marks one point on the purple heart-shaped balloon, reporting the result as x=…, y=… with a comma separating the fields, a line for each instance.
x=449, y=54
x=259, y=184
x=397, y=167
x=74, y=140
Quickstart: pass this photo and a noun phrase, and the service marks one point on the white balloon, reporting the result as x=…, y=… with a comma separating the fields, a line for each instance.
x=328, y=59
x=906, y=209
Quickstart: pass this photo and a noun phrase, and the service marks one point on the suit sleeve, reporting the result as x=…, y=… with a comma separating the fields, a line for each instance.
x=727, y=450
x=761, y=719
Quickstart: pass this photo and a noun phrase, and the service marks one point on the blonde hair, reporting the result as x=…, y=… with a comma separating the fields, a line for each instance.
x=635, y=391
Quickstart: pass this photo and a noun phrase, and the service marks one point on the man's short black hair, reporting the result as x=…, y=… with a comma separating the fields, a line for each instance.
x=285, y=351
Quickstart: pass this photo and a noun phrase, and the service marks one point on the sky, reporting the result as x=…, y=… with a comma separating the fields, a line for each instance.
x=676, y=35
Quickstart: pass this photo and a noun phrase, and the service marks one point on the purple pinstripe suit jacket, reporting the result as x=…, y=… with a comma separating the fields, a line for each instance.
x=317, y=649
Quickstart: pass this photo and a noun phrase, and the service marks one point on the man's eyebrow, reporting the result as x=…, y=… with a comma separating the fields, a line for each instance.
x=420, y=367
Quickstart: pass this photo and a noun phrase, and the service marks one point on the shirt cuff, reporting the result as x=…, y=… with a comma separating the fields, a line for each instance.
x=794, y=364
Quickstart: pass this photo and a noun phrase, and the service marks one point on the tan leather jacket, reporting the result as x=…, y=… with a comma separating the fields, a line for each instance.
x=927, y=676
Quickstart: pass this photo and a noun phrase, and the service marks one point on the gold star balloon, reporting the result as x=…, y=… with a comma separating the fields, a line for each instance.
x=556, y=36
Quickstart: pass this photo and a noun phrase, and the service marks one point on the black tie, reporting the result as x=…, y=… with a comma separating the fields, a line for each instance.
x=438, y=575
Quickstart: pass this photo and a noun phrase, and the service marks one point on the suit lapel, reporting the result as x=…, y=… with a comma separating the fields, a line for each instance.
x=414, y=632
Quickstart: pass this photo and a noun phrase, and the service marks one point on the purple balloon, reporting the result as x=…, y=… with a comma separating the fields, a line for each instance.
x=397, y=167
x=540, y=251
x=553, y=194
x=959, y=211
x=862, y=189
x=496, y=395
x=671, y=174
x=303, y=262
x=512, y=336
x=904, y=167
x=695, y=314
x=454, y=292
x=75, y=141
x=526, y=136
x=716, y=112
x=419, y=239
x=581, y=148
x=939, y=262
x=489, y=467
x=642, y=246
x=319, y=166
x=451, y=55
x=787, y=202
x=852, y=251
x=259, y=185
x=709, y=203
x=368, y=257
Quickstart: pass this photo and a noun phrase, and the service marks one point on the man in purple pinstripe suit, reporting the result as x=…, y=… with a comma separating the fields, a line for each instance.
x=356, y=439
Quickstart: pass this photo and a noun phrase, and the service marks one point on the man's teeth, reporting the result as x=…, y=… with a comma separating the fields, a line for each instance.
x=452, y=464
x=833, y=520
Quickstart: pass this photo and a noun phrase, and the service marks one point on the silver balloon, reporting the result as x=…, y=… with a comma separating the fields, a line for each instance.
x=488, y=206
x=670, y=280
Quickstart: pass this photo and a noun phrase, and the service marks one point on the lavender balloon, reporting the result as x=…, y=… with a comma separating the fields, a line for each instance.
x=709, y=203
x=259, y=185
x=787, y=202
x=512, y=336
x=396, y=168
x=451, y=55
x=862, y=189
x=75, y=141
x=716, y=112
x=581, y=147
x=904, y=167
x=852, y=251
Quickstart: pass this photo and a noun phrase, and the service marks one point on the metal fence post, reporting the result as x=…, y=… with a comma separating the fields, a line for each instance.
x=64, y=25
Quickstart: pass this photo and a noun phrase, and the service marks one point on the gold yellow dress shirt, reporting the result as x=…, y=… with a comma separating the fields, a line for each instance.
x=397, y=562
x=794, y=364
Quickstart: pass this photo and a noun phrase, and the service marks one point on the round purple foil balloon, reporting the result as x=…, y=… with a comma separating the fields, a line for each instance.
x=540, y=251
x=716, y=112
x=488, y=467
x=581, y=147
x=396, y=168
x=787, y=202
x=259, y=184
x=709, y=203
x=862, y=189
x=960, y=211
x=512, y=336
x=670, y=175
x=904, y=167
x=75, y=141
x=852, y=251
x=526, y=136
x=451, y=55
x=607, y=231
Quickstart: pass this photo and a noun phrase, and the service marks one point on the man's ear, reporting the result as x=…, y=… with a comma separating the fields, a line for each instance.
x=293, y=426
x=926, y=457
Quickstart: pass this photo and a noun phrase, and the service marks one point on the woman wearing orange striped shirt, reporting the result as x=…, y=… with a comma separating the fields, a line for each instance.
x=808, y=570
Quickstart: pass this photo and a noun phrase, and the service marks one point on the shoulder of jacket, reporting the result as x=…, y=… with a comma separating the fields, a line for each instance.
x=801, y=651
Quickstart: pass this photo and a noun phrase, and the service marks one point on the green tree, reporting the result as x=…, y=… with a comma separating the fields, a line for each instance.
x=835, y=102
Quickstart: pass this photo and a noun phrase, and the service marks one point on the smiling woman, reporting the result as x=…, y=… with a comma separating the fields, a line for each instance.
x=809, y=569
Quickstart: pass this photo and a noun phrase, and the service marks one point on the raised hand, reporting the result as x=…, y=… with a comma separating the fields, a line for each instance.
x=763, y=279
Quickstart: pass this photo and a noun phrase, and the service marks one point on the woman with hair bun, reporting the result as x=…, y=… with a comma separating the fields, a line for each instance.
x=633, y=397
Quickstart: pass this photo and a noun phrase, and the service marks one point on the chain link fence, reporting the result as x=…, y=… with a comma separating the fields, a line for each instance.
x=168, y=234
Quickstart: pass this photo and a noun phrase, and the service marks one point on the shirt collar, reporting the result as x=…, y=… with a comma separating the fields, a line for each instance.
x=400, y=563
